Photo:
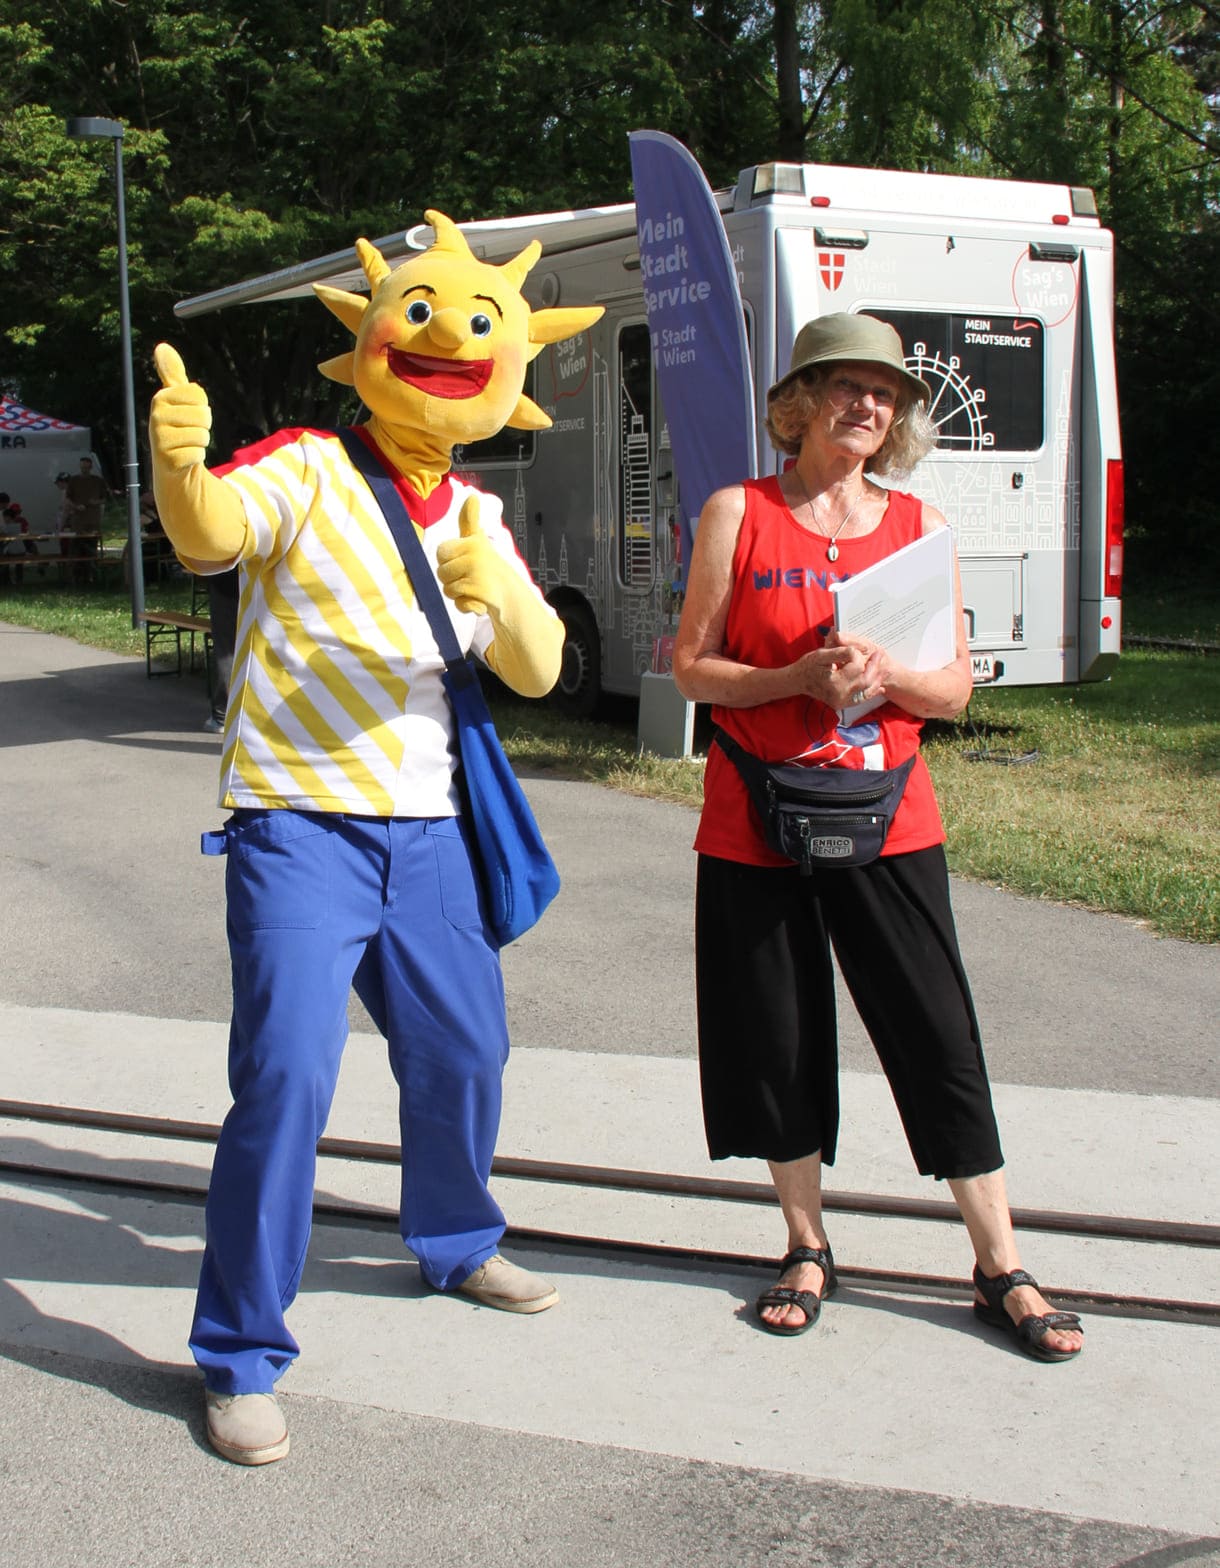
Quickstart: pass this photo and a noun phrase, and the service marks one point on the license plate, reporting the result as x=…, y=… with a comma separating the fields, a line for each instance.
x=982, y=668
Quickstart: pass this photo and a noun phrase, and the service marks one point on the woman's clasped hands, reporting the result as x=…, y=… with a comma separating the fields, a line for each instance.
x=843, y=672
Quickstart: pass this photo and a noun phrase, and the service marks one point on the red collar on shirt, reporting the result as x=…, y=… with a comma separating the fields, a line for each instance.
x=422, y=510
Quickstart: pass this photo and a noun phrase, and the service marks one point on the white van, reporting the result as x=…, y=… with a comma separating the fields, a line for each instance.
x=1003, y=295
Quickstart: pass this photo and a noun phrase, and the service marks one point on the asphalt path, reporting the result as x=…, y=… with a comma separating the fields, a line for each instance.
x=108, y=779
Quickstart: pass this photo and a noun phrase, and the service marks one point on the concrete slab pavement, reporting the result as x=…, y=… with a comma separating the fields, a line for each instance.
x=653, y=1357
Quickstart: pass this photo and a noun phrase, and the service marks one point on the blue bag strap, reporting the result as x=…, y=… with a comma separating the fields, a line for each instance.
x=427, y=590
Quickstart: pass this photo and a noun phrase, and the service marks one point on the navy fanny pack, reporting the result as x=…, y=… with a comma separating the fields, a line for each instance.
x=828, y=817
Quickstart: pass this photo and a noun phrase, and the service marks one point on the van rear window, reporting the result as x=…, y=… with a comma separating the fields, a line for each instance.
x=986, y=373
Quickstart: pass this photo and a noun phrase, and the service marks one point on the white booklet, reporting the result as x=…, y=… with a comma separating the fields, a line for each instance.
x=906, y=603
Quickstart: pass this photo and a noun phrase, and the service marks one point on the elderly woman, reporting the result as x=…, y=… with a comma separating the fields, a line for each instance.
x=779, y=677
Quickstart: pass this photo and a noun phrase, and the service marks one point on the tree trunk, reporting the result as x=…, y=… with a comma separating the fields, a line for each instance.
x=790, y=116
x=1115, y=127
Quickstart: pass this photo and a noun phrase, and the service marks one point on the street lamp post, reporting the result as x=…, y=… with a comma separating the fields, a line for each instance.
x=112, y=130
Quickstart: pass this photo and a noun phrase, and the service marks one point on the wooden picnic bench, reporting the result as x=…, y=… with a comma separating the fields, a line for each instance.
x=61, y=552
x=49, y=550
x=170, y=625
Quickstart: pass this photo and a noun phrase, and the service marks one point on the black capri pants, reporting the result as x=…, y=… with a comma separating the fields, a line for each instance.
x=768, y=1047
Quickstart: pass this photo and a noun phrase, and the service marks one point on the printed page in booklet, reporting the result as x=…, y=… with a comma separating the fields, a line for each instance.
x=905, y=603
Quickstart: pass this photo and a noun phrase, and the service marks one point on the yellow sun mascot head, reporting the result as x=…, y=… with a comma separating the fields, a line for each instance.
x=443, y=341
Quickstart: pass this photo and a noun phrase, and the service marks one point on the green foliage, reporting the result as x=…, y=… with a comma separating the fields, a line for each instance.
x=260, y=134
x=913, y=96
x=263, y=132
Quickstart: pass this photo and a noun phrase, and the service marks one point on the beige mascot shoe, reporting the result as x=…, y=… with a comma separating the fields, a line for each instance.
x=248, y=1429
x=499, y=1283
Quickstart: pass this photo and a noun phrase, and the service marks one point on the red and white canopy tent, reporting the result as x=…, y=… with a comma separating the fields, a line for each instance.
x=34, y=448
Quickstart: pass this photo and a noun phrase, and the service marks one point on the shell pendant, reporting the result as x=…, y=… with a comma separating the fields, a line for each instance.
x=832, y=551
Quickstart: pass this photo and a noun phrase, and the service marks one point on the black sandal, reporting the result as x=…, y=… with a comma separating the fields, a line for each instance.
x=1030, y=1332
x=808, y=1302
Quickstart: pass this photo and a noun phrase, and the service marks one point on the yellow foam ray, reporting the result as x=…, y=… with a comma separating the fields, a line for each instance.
x=553, y=326
x=376, y=267
x=528, y=416
x=349, y=308
x=342, y=369
x=516, y=269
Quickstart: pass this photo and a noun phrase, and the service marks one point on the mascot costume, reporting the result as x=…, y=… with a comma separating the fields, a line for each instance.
x=348, y=861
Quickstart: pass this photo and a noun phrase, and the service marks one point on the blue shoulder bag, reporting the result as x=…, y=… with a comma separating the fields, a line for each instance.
x=518, y=875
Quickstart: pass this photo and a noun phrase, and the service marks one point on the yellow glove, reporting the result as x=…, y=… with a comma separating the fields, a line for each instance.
x=204, y=519
x=528, y=643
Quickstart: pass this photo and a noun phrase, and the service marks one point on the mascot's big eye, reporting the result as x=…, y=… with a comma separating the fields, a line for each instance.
x=419, y=312
x=480, y=325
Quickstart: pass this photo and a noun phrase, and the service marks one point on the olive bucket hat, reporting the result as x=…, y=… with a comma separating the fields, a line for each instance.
x=846, y=337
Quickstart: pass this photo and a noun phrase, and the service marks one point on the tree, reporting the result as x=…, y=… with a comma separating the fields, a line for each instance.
x=1117, y=95
x=265, y=132
x=258, y=138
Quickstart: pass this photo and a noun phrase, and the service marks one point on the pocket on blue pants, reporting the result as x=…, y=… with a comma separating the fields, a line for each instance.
x=277, y=877
x=456, y=874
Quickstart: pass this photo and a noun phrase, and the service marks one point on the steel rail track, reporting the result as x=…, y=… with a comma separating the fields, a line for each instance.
x=1160, y=1232
x=1174, y=1232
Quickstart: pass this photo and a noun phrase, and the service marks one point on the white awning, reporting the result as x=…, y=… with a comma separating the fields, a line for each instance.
x=493, y=240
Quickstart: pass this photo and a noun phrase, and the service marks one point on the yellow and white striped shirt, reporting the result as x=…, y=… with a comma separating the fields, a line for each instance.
x=336, y=702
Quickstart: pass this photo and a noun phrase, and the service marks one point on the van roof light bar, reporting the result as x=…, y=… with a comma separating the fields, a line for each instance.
x=778, y=179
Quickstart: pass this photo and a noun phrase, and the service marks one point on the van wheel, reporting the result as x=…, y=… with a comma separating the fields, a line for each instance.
x=577, y=691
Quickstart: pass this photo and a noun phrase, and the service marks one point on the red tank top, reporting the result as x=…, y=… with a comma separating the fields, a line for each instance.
x=781, y=607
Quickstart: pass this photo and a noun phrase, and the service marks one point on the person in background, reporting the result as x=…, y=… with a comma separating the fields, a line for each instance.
x=16, y=527
x=224, y=593
x=10, y=542
x=155, y=548
x=63, y=524
x=780, y=676
x=87, y=493
x=150, y=523
x=63, y=506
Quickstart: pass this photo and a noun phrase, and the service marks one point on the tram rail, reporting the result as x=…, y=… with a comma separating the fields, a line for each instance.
x=1113, y=1227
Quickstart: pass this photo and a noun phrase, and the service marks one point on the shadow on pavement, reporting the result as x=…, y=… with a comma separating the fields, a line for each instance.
x=106, y=702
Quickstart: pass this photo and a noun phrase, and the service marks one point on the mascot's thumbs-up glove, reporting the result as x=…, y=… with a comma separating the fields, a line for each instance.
x=204, y=519
x=528, y=643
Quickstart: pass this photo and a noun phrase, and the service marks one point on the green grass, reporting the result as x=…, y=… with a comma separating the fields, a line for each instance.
x=98, y=617
x=601, y=751
x=1119, y=812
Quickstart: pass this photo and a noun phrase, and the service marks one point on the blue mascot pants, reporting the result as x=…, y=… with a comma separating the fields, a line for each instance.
x=318, y=903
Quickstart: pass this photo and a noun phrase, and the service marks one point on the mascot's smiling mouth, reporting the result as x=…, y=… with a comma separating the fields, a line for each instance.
x=451, y=378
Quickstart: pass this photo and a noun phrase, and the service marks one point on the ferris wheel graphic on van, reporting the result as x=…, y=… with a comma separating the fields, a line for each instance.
x=958, y=409
x=986, y=374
